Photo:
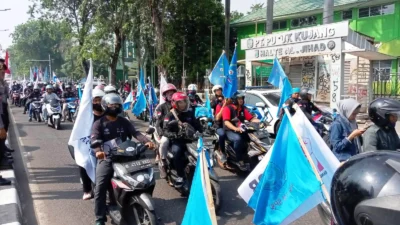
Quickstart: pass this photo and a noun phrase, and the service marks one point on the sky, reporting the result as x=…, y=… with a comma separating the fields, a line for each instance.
x=19, y=8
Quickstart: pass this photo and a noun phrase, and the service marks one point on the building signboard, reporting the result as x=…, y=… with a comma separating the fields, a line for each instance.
x=322, y=32
x=294, y=50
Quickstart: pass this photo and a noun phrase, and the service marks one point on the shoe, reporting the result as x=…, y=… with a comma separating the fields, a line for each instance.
x=63, y=120
x=242, y=166
x=87, y=196
x=179, y=182
x=6, y=164
x=4, y=182
x=30, y=119
x=163, y=170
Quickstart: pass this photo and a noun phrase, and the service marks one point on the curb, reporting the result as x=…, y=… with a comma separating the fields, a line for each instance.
x=10, y=208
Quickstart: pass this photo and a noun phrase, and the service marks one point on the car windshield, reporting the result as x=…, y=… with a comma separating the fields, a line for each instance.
x=273, y=98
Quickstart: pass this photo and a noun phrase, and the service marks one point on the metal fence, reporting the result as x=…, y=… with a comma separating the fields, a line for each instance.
x=386, y=85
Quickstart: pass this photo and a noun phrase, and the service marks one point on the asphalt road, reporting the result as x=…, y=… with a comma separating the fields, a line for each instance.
x=51, y=193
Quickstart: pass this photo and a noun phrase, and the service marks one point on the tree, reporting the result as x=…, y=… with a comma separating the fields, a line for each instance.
x=255, y=7
x=227, y=26
x=36, y=40
x=235, y=15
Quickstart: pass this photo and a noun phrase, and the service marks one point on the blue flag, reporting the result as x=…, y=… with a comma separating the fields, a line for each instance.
x=80, y=93
x=218, y=74
x=197, y=211
x=208, y=105
x=128, y=101
x=231, y=84
x=46, y=75
x=141, y=103
x=287, y=182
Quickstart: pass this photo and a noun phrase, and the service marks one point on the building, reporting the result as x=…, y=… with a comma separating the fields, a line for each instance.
x=126, y=57
x=357, y=56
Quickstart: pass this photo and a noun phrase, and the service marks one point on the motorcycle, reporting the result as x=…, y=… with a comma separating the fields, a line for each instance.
x=54, y=114
x=132, y=184
x=36, y=106
x=190, y=158
x=16, y=98
x=322, y=123
x=71, y=106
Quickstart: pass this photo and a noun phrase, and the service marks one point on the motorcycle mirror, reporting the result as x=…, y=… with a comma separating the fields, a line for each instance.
x=150, y=130
x=96, y=144
x=260, y=105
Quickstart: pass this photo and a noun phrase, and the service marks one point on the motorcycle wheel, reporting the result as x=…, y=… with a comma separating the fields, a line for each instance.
x=57, y=124
x=141, y=214
x=216, y=193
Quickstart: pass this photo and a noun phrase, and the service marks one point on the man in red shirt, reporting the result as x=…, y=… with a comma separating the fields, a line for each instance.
x=236, y=109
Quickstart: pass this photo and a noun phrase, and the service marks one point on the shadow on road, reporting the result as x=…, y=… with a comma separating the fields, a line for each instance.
x=68, y=174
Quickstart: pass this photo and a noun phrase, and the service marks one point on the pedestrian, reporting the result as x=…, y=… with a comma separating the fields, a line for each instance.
x=344, y=135
x=5, y=158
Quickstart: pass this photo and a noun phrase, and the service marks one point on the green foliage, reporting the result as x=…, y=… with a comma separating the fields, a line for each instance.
x=236, y=15
x=255, y=7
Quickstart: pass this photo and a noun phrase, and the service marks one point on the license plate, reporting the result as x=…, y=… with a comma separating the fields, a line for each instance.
x=138, y=165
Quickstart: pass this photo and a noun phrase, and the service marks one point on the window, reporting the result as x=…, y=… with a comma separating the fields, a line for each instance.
x=347, y=15
x=278, y=25
x=381, y=70
x=376, y=10
x=273, y=98
x=304, y=22
x=252, y=99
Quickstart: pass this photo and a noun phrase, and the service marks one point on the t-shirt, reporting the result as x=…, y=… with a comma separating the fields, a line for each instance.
x=106, y=130
x=240, y=113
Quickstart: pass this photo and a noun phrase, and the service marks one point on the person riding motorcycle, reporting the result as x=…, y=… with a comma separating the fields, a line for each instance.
x=34, y=95
x=186, y=120
x=235, y=109
x=220, y=104
x=68, y=93
x=306, y=105
x=107, y=128
x=289, y=103
x=47, y=97
x=365, y=190
x=162, y=110
x=16, y=86
x=382, y=134
x=218, y=96
x=127, y=86
x=28, y=90
x=193, y=96
x=110, y=89
x=57, y=90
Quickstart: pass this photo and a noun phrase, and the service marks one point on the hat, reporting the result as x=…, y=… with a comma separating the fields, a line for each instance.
x=296, y=90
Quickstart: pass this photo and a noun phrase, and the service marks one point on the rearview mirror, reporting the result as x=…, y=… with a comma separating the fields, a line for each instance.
x=260, y=105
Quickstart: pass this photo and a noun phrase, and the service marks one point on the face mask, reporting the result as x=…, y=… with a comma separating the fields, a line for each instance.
x=113, y=112
x=97, y=107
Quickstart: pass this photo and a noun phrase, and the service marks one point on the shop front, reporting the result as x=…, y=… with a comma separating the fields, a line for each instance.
x=320, y=58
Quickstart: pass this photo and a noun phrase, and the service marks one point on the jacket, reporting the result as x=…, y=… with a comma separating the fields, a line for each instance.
x=184, y=117
x=378, y=138
x=342, y=148
x=161, y=111
x=307, y=108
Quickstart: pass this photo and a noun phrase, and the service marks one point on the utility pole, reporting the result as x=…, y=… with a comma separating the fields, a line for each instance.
x=328, y=12
x=227, y=25
x=211, y=48
x=50, y=74
x=183, y=66
x=270, y=17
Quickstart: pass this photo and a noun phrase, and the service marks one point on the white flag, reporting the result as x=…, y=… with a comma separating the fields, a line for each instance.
x=80, y=136
x=162, y=83
x=324, y=160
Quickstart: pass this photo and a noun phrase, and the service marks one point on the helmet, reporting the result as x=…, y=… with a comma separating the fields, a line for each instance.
x=168, y=87
x=216, y=87
x=111, y=98
x=296, y=90
x=49, y=86
x=29, y=85
x=36, y=87
x=305, y=92
x=192, y=87
x=365, y=189
x=55, y=85
x=236, y=96
x=380, y=109
x=126, y=81
x=100, y=86
x=67, y=86
x=97, y=93
x=109, y=89
x=156, y=90
x=179, y=97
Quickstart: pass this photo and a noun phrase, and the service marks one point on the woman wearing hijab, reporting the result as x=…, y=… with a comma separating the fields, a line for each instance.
x=345, y=137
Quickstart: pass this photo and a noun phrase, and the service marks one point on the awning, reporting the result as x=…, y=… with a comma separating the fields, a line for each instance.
x=370, y=55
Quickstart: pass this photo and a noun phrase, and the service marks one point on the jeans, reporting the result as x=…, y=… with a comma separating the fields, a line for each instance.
x=221, y=140
x=178, y=150
x=164, y=145
x=239, y=143
x=86, y=181
x=104, y=173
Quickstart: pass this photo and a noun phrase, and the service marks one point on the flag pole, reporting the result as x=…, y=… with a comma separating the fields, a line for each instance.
x=210, y=201
x=308, y=156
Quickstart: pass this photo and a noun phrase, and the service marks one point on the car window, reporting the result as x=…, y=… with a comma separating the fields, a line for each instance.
x=273, y=98
x=252, y=99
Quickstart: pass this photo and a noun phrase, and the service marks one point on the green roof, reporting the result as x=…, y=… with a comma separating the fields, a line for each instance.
x=289, y=7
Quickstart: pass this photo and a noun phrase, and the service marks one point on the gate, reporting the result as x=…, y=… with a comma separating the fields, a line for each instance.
x=386, y=84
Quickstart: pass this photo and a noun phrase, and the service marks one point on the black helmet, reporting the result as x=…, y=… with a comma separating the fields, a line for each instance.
x=236, y=96
x=380, y=109
x=366, y=190
x=111, y=98
x=305, y=92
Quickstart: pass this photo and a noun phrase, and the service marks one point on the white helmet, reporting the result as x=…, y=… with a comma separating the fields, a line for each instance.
x=192, y=87
x=216, y=87
x=97, y=93
x=109, y=89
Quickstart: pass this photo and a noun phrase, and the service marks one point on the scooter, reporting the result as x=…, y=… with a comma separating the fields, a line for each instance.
x=71, y=106
x=133, y=182
x=54, y=114
x=190, y=158
x=16, y=98
x=36, y=106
